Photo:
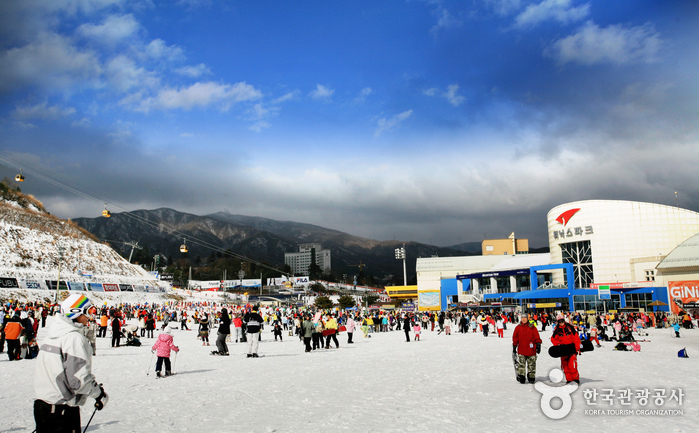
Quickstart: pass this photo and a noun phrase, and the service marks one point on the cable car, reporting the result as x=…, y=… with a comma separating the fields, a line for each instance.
x=183, y=247
x=105, y=212
x=19, y=177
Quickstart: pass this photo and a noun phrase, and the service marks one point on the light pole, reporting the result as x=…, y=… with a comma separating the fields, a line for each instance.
x=400, y=254
x=58, y=281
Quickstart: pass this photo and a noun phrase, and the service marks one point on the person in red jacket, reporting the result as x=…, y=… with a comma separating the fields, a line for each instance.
x=565, y=334
x=526, y=343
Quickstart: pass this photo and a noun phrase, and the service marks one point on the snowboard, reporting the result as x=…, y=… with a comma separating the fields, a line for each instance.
x=586, y=346
x=562, y=350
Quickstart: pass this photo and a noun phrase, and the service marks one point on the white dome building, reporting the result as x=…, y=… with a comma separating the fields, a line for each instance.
x=613, y=241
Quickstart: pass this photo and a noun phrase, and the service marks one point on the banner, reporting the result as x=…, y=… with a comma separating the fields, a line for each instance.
x=95, y=287
x=139, y=288
x=126, y=287
x=32, y=284
x=684, y=295
x=51, y=284
x=110, y=287
x=76, y=286
x=8, y=283
x=429, y=301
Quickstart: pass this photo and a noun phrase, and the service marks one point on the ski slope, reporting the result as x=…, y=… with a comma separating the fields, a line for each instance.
x=381, y=384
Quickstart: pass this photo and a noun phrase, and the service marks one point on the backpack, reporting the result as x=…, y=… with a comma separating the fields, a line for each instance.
x=683, y=353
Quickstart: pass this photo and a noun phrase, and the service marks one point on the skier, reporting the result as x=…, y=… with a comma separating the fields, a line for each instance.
x=526, y=343
x=417, y=329
x=564, y=333
x=407, y=325
x=116, y=330
x=65, y=353
x=331, y=326
x=308, y=329
x=500, y=326
x=224, y=328
x=204, y=330
x=278, y=331
x=238, y=326
x=350, y=325
x=163, y=345
x=254, y=325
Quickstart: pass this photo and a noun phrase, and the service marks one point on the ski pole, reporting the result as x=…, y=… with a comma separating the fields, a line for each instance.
x=174, y=361
x=150, y=362
x=88, y=423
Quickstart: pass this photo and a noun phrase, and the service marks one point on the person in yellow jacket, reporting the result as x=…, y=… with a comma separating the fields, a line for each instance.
x=331, y=332
x=104, y=322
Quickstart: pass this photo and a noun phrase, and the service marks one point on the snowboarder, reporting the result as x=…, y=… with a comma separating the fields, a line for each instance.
x=563, y=334
x=162, y=346
x=204, y=330
x=526, y=343
x=254, y=325
x=224, y=328
x=65, y=353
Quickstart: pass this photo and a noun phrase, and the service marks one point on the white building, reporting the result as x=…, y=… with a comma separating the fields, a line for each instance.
x=612, y=241
x=300, y=261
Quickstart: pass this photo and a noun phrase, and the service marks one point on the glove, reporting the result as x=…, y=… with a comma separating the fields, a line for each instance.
x=538, y=347
x=514, y=348
x=102, y=400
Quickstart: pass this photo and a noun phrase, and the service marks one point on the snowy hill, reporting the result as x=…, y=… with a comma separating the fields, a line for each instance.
x=30, y=240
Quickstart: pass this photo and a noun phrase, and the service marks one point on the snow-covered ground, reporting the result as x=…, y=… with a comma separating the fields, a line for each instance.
x=382, y=384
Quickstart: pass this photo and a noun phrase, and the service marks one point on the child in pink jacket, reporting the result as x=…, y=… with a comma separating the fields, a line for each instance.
x=417, y=328
x=163, y=345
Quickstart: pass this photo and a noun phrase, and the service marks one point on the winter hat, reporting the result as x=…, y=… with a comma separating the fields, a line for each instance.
x=559, y=317
x=168, y=329
x=23, y=315
x=75, y=305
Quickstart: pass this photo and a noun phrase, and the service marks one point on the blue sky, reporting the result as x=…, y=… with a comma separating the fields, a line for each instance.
x=434, y=121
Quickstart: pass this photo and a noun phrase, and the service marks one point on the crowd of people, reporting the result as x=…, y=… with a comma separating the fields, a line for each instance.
x=81, y=323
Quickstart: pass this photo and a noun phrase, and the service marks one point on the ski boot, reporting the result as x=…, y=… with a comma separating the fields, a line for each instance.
x=255, y=355
x=532, y=379
x=158, y=374
x=521, y=379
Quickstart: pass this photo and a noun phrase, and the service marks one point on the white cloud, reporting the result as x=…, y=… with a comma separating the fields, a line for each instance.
x=259, y=126
x=194, y=71
x=363, y=95
x=614, y=44
x=452, y=96
x=158, y=49
x=384, y=124
x=445, y=20
x=113, y=29
x=322, y=93
x=123, y=74
x=201, y=95
x=42, y=111
x=286, y=97
x=50, y=61
x=556, y=10
x=505, y=7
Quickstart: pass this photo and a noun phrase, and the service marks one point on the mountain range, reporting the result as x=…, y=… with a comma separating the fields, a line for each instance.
x=264, y=240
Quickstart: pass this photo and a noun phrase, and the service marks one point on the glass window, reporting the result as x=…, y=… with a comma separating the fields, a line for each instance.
x=580, y=255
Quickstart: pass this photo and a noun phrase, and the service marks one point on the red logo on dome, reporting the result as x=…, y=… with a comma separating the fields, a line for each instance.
x=566, y=216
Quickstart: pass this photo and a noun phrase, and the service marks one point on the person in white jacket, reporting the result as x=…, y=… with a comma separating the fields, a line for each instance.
x=63, y=378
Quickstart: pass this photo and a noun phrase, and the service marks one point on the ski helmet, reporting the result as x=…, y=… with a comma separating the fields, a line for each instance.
x=75, y=305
